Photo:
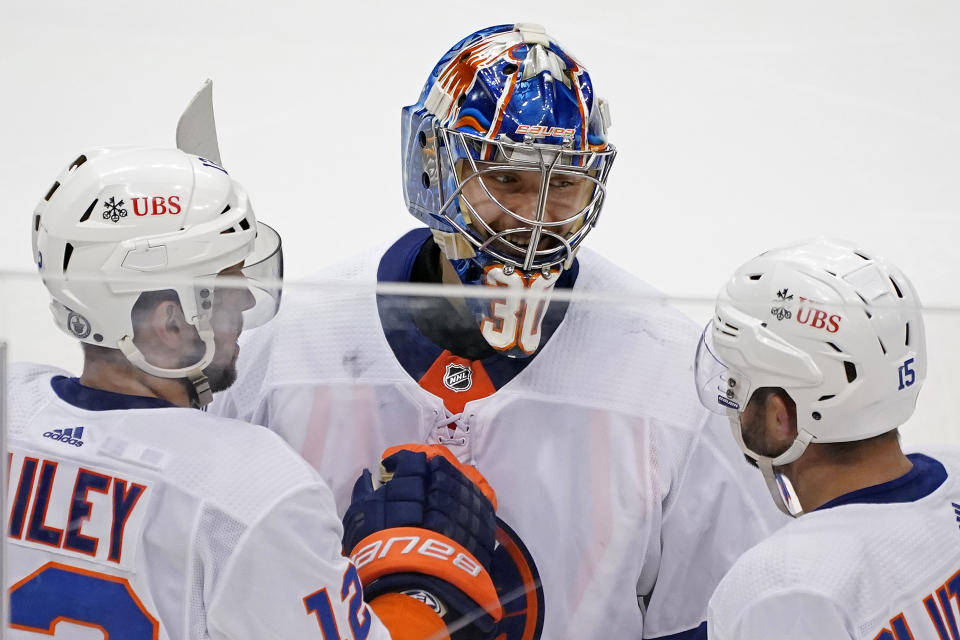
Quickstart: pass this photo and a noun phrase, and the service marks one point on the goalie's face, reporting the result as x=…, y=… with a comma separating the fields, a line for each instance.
x=513, y=208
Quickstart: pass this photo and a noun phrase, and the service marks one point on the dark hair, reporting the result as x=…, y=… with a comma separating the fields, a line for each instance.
x=763, y=394
x=148, y=300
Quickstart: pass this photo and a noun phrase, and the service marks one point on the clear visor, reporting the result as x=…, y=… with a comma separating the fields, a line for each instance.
x=257, y=286
x=264, y=273
x=720, y=389
x=528, y=204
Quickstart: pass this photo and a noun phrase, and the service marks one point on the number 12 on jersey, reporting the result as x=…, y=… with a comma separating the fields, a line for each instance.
x=351, y=593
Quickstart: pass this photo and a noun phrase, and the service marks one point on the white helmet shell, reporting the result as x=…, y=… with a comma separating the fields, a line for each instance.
x=838, y=328
x=121, y=221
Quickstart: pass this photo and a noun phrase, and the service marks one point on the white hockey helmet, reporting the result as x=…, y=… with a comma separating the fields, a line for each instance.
x=122, y=221
x=837, y=328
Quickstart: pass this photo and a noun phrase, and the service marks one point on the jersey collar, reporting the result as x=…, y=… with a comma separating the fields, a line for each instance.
x=924, y=478
x=72, y=392
x=415, y=351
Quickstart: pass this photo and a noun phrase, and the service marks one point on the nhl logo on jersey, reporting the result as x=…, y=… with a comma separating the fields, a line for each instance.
x=78, y=325
x=458, y=377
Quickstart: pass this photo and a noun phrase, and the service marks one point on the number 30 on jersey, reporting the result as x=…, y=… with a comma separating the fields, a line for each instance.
x=514, y=321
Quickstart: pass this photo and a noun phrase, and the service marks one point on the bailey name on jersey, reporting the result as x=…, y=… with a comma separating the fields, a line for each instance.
x=75, y=509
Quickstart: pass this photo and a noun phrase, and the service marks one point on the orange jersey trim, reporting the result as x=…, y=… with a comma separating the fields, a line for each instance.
x=453, y=400
x=530, y=585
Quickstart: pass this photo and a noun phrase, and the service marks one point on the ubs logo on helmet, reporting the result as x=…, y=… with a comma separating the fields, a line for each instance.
x=113, y=210
x=458, y=377
x=781, y=312
x=156, y=205
x=815, y=318
x=807, y=314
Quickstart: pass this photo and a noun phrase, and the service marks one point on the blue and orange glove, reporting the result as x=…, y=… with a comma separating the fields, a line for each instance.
x=427, y=529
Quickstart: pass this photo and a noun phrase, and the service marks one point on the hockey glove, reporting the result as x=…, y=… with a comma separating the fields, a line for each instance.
x=427, y=528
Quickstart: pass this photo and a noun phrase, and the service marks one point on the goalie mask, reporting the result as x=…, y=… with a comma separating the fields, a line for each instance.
x=505, y=158
x=837, y=328
x=124, y=221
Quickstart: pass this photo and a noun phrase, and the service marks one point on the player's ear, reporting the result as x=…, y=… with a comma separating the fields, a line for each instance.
x=173, y=320
x=781, y=415
x=162, y=329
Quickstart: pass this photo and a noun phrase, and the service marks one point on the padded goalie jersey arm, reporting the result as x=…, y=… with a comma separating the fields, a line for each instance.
x=716, y=509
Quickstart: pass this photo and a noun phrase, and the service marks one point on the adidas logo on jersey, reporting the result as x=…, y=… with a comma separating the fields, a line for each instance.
x=70, y=435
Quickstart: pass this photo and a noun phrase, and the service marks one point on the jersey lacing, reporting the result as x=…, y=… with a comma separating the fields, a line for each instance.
x=447, y=424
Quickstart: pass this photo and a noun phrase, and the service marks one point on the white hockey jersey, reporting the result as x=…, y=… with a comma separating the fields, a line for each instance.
x=622, y=502
x=881, y=563
x=158, y=522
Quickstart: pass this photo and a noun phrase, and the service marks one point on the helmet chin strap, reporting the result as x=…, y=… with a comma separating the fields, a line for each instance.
x=193, y=373
x=766, y=464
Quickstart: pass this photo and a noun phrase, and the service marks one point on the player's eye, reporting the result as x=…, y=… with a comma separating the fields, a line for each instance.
x=503, y=177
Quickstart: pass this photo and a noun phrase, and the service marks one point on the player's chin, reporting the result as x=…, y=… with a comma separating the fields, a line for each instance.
x=222, y=372
x=221, y=376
